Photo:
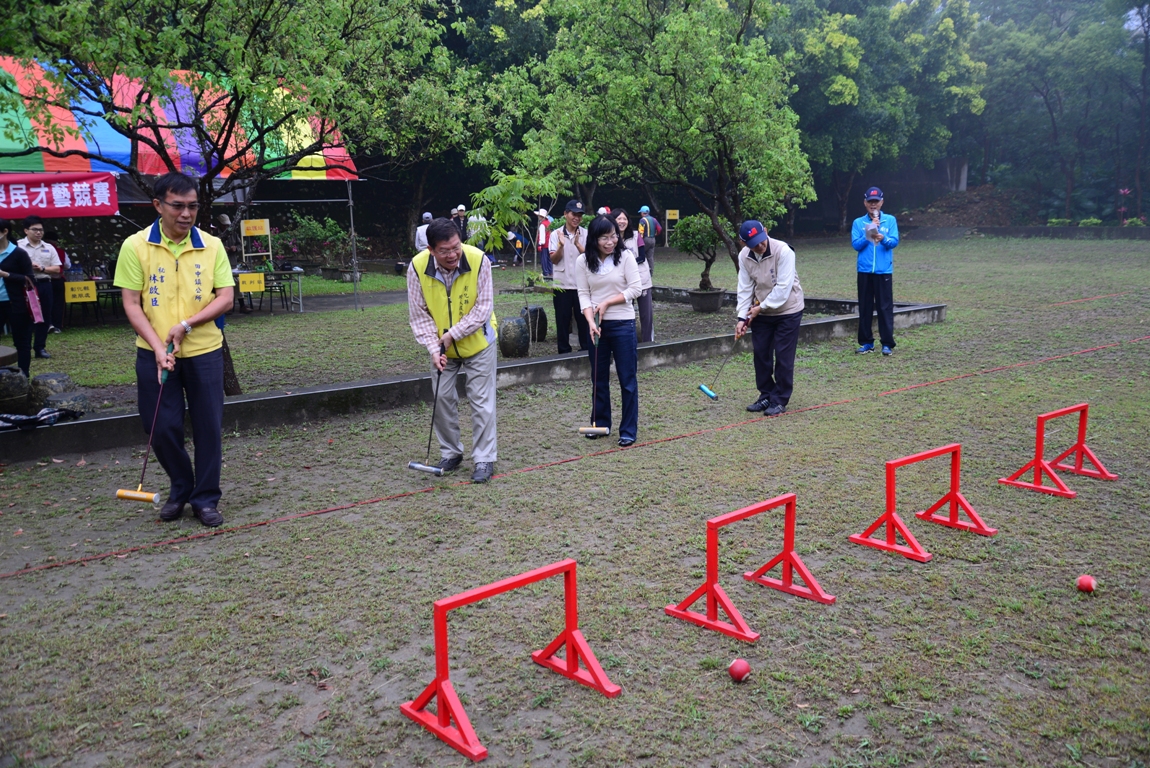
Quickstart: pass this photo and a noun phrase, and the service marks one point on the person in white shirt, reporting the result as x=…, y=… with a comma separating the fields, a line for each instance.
x=45, y=265
x=608, y=280
x=421, y=234
x=770, y=303
x=565, y=245
x=635, y=244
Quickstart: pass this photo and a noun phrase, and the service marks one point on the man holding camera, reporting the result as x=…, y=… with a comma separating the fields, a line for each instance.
x=875, y=236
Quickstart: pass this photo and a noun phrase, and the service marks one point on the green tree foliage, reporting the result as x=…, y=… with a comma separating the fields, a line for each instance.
x=257, y=73
x=877, y=84
x=677, y=94
x=697, y=236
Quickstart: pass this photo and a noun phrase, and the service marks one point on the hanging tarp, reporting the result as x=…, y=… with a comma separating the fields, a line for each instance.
x=77, y=130
x=55, y=195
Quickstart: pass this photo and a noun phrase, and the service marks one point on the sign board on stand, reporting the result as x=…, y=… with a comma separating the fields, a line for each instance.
x=251, y=282
x=672, y=215
x=79, y=292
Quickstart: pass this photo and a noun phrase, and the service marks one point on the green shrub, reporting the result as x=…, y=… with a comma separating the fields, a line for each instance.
x=305, y=238
x=1134, y=223
x=1058, y=222
x=1090, y=223
x=695, y=235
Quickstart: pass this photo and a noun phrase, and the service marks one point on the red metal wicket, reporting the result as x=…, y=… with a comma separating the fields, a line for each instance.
x=461, y=736
x=715, y=595
x=1042, y=467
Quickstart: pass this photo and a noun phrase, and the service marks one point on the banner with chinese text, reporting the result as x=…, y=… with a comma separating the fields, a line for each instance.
x=55, y=195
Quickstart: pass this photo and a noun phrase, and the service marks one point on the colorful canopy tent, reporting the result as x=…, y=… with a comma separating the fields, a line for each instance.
x=96, y=136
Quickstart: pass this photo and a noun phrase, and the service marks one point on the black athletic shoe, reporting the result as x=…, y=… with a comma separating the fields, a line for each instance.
x=450, y=465
x=483, y=471
x=42, y=354
x=759, y=405
x=775, y=410
x=172, y=510
x=626, y=442
x=209, y=516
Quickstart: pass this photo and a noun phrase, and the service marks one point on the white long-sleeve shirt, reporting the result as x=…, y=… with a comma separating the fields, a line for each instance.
x=609, y=281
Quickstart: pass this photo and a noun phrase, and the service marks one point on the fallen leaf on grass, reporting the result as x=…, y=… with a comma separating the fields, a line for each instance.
x=19, y=531
x=247, y=554
x=81, y=462
x=323, y=715
x=803, y=706
x=3, y=615
x=121, y=557
x=43, y=464
x=57, y=461
x=329, y=442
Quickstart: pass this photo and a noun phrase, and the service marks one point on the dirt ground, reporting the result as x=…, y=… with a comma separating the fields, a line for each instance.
x=985, y=206
x=293, y=640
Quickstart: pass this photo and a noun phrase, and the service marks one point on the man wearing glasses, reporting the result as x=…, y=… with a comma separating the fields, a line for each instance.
x=167, y=304
x=45, y=265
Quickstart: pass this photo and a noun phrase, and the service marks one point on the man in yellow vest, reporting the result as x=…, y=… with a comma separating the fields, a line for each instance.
x=169, y=305
x=451, y=304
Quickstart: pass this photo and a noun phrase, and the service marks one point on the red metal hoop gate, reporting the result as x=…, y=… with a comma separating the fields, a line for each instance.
x=1079, y=451
x=894, y=523
x=461, y=736
x=717, y=598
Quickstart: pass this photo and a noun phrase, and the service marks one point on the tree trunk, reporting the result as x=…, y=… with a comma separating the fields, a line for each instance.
x=789, y=219
x=415, y=211
x=984, y=175
x=842, y=193
x=656, y=207
x=1069, y=174
x=231, y=382
x=586, y=194
x=1145, y=95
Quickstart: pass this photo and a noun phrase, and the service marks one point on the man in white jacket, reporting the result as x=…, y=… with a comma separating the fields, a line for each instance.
x=771, y=305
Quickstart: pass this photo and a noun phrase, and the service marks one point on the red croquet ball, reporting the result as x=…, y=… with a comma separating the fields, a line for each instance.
x=739, y=670
x=1086, y=583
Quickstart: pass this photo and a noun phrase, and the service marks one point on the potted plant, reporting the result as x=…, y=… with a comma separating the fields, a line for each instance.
x=695, y=235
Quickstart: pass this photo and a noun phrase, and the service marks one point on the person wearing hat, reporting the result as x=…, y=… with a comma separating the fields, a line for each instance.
x=770, y=303
x=459, y=219
x=566, y=244
x=421, y=234
x=875, y=236
x=542, y=235
x=649, y=230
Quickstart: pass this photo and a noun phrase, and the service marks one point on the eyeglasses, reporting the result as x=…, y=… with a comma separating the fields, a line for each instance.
x=181, y=207
x=608, y=237
x=37, y=230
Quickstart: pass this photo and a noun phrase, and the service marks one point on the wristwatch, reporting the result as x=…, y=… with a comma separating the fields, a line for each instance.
x=187, y=327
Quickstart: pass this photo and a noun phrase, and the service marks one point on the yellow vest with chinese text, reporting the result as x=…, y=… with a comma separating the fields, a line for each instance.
x=448, y=307
x=177, y=288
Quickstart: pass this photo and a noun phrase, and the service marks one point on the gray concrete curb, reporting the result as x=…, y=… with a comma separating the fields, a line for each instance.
x=274, y=409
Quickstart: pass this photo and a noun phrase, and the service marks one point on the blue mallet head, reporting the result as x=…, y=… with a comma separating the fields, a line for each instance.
x=707, y=391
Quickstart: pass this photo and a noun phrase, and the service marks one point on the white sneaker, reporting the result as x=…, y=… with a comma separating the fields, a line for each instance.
x=54, y=329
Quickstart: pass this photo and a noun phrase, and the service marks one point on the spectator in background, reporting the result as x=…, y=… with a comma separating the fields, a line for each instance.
x=477, y=229
x=459, y=219
x=566, y=244
x=633, y=243
x=649, y=230
x=52, y=238
x=16, y=272
x=421, y=234
x=542, y=236
x=518, y=244
x=45, y=264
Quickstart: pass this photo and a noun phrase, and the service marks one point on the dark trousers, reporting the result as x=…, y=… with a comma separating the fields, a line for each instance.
x=646, y=316
x=617, y=339
x=57, y=303
x=545, y=262
x=775, y=338
x=876, y=291
x=21, y=325
x=44, y=291
x=201, y=380
x=567, y=301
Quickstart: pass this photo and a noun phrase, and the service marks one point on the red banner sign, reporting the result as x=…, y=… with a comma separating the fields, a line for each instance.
x=55, y=195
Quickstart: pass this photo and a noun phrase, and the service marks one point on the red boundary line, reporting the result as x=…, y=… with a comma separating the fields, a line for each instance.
x=1092, y=298
x=710, y=430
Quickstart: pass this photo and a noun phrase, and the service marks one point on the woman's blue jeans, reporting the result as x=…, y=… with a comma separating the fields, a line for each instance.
x=618, y=339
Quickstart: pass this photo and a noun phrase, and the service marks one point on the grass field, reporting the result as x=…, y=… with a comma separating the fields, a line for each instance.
x=294, y=643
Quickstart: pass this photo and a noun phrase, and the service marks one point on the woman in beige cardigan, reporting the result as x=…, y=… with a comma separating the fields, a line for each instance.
x=608, y=281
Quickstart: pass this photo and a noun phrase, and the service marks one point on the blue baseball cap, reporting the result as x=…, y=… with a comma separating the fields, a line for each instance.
x=644, y=209
x=427, y=216
x=752, y=233
x=873, y=193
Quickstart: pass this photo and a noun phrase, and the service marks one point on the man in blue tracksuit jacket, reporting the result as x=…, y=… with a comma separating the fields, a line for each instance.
x=875, y=236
